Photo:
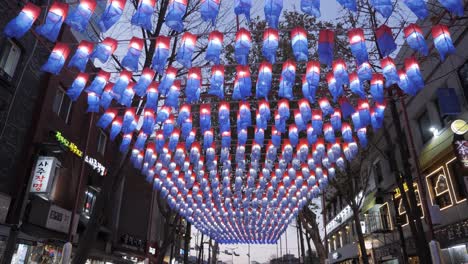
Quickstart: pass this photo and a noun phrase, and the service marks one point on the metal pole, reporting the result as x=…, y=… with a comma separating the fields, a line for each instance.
x=400, y=232
x=249, y=252
x=324, y=220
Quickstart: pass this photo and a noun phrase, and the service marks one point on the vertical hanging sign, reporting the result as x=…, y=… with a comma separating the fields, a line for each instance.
x=43, y=174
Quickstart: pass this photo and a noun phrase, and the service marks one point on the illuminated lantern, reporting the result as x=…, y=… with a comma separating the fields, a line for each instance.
x=81, y=56
x=242, y=46
x=325, y=46
x=167, y=80
x=242, y=83
x=364, y=113
x=163, y=114
x=270, y=44
x=244, y=119
x=328, y=133
x=311, y=7
x=272, y=11
x=223, y=117
x=175, y=14
x=100, y=81
x=148, y=122
x=383, y=7
x=161, y=53
x=121, y=84
x=135, y=48
x=287, y=151
x=357, y=43
x=168, y=127
x=192, y=90
x=54, y=20
x=350, y=150
x=385, y=40
x=335, y=89
x=215, y=44
x=217, y=81
x=287, y=80
x=207, y=138
x=299, y=44
x=159, y=142
x=415, y=39
x=145, y=79
x=107, y=96
x=264, y=110
x=377, y=87
x=364, y=72
x=405, y=84
x=349, y=4
x=152, y=96
x=56, y=59
x=305, y=110
x=310, y=80
x=209, y=10
x=340, y=72
x=128, y=123
x=23, y=22
x=298, y=119
x=106, y=119
x=335, y=120
x=173, y=140
x=356, y=120
x=79, y=18
x=93, y=103
x=140, y=141
x=442, y=41
x=184, y=113
x=346, y=132
x=186, y=49
x=242, y=136
x=453, y=6
x=186, y=127
x=102, y=51
x=77, y=86
x=362, y=136
x=143, y=13
x=126, y=141
x=111, y=14
x=389, y=71
x=264, y=80
x=376, y=121
x=356, y=85
x=325, y=106
x=311, y=136
x=276, y=137
x=172, y=98
x=317, y=122
x=242, y=7
x=259, y=136
x=414, y=73
x=205, y=117
x=226, y=139
x=418, y=7
x=116, y=127
x=127, y=95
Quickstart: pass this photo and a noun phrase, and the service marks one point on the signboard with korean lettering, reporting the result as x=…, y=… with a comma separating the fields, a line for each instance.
x=460, y=146
x=58, y=219
x=43, y=174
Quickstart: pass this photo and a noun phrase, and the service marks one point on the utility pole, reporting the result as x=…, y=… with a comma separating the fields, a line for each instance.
x=301, y=237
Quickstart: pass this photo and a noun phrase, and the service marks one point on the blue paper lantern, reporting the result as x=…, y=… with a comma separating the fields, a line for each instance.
x=311, y=7
x=346, y=132
x=377, y=88
x=175, y=14
x=205, y=117
x=111, y=14
x=357, y=43
x=217, y=81
x=287, y=80
x=325, y=106
x=126, y=141
x=244, y=118
x=93, y=103
x=335, y=89
x=259, y=136
x=80, y=16
x=414, y=73
x=132, y=58
x=389, y=71
x=144, y=81
x=168, y=127
x=152, y=96
x=356, y=86
x=335, y=120
x=415, y=39
x=106, y=119
x=207, y=139
x=317, y=122
x=116, y=127
x=192, y=89
x=418, y=7
x=442, y=41
x=54, y=20
x=128, y=122
x=453, y=6
x=272, y=11
x=172, y=98
x=328, y=133
x=209, y=10
x=299, y=44
x=326, y=46
x=364, y=113
x=186, y=49
x=167, y=80
x=383, y=7
x=340, y=73
x=215, y=44
x=242, y=46
x=310, y=80
x=77, y=86
x=349, y=4
x=81, y=56
x=270, y=44
x=127, y=95
x=143, y=14
x=102, y=51
x=148, y=122
x=305, y=110
x=365, y=72
x=121, y=84
x=242, y=83
x=161, y=53
x=23, y=22
x=140, y=141
x=173, y=140
x=242, y=7
x=405, y=84
x=186, y=127
x=226, y=139
x=163, y=114
x=107, y=96
x=293, y=135
x=362, y=136
x=56, y=59
x=385, y=40
x=264, y=80
x=299, y=121
x=223, y=117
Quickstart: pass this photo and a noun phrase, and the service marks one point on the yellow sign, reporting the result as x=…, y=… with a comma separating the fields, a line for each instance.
x=70, y=145
x=459, y=127
x=405, y=187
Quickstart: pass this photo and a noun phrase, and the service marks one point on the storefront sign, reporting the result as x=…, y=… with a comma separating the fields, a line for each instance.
x=453, y=234
x=43, y=174
x=98, y=167
x=344, y=215
x=460, y=146
x=59, y=219
x=459, y=127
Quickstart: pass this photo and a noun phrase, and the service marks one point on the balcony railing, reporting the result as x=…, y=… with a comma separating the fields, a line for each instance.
x=377, y=223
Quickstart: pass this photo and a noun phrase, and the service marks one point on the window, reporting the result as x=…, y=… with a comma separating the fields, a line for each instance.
x=385, y=217
x=439, y=190
x=378, y=174
x=463, y=74
x=10, y=54
x=89, y=200
x=62, y=105
x=424, y=123
x=102, y=140
x=456, y=178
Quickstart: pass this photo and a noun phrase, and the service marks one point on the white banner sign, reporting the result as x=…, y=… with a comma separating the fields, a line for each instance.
x=58, y=219
x=43, y=174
